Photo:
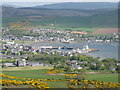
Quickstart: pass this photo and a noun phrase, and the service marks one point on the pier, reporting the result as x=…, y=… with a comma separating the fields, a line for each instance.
x=51, y=47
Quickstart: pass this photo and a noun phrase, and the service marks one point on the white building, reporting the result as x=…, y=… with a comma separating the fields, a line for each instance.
x=10, y=42
x=20, y=62
x=8, y=64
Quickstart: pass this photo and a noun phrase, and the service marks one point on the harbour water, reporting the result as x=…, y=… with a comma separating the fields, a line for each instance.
x=106, y=50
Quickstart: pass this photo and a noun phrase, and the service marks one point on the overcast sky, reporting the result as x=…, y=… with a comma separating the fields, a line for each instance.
x=42, y=2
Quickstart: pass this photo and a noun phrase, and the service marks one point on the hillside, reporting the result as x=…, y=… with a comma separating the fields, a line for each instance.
x=109, y=19
x=79, y=14
x=11, y=12
x=61, y=9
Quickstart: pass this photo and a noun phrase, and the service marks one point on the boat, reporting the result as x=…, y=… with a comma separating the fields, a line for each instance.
x=66, y=47
x=65, y=41
x=78, y=50
x=87, y=49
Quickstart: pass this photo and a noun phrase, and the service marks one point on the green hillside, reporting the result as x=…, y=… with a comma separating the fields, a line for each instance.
x=81, y=21
x=101, y=20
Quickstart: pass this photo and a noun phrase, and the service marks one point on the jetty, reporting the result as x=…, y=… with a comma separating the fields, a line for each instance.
x=51, y=47
x=85, y=49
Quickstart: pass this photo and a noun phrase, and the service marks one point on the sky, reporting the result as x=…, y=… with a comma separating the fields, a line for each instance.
x=43, y=2
x=60, y=0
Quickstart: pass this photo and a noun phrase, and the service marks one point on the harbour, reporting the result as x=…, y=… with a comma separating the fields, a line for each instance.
x=102, y=50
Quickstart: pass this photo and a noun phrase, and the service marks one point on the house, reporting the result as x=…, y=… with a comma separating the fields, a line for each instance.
x=83, y=62
x=14, y=51
x=35, y=64
x=98, y=40
x=20, y=62
x=8, y=64
x=10, y=42
x=73, y=62
x=117, y=64
x=94, y=64
x=78, y=67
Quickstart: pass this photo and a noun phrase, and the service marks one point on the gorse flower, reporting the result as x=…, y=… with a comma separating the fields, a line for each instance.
x=72, y=83
x=91, y=84
x=70, y=75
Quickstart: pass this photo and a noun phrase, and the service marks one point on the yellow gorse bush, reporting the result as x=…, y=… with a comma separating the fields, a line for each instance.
x=91, y=84
x=72, y=83
x=55, y=71
x=32, y=83
x=11, y=77
x=70, y=75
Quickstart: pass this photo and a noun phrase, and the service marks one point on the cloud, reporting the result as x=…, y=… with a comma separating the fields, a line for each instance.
x=24, y=4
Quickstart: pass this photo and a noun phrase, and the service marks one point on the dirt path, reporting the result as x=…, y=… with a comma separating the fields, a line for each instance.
x=85, y=73
x=56, y=74
x=106, y=31
x=97, y=72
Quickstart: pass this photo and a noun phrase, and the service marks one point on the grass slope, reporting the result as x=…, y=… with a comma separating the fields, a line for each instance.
x=38, y=74
x=103, y=77
x=12, y=69
x=42, y=74
x=100, y=21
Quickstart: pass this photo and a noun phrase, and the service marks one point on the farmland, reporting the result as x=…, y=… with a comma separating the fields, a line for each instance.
x=106, y=31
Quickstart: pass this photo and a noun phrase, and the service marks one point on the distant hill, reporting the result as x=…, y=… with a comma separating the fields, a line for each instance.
x=81, y=14
x=31, y=11
x=11, y=12
x=107, y=19
x=81, y=5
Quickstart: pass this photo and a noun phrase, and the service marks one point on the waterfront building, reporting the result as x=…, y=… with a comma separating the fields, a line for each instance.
x=20, y=62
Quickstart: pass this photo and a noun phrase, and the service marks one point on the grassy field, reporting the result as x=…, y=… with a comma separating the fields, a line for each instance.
x=6, y=21
x=12, y=69
x=89, y=21
x=8, y=60
x=36, y=74
x=71, y=21
x=103, y=77
x=39, y=74
x=42, y=74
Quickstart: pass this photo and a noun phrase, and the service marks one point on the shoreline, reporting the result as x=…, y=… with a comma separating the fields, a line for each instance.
x=32, y=43
x=57, y=43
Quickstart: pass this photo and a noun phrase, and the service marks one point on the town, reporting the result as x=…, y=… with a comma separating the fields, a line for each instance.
x=59, y=45
x=51, y=34
x=21, y=54
x=21, y=45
